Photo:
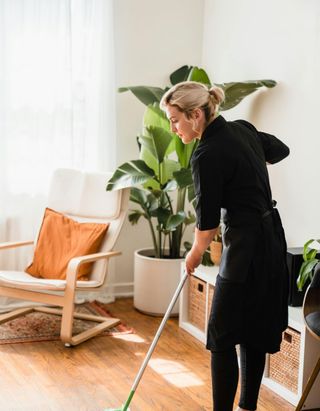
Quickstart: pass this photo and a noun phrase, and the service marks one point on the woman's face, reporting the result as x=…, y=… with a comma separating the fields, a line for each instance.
x=181, y=125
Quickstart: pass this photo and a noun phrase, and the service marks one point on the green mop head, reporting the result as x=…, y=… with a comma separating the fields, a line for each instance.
x=124, y=407
x=116, y=409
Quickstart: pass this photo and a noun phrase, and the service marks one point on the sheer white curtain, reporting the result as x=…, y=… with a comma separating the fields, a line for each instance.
x=56, y=105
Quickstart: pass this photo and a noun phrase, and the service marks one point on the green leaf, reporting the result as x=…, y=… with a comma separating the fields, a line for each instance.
x=162, y=214
x=199, y=75
x=312, y=254
x=170, y=186
x=206, y=259
x=175, y=220
x=183, y=177
x=160, y=141
x=156, y=144
x=184, y=151
x=152, y=202
x=305, y=272
x=148, y=144
x=235, y=92
x=306, y=249
x=309, y=252
x=180, y=75
x=129, y=175
x=164, y=201
x=146, y=94
x=149, y=159
x=138, y=196
x=187, y=245
x=134, y=217
x=168, y=167
x=190, y=219
x=154, y=116
x=152, y=185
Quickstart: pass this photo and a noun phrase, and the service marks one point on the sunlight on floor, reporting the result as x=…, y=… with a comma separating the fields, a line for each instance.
x=130, y=337
x=175, y=373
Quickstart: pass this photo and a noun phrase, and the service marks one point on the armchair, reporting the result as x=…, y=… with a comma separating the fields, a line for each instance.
x=81, y=196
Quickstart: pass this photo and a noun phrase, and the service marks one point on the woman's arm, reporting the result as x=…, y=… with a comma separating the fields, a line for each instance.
x=201, y=242
x=274, y=149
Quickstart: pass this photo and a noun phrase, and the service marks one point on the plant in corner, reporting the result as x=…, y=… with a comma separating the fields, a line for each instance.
x=160, y=179
x=310, y=260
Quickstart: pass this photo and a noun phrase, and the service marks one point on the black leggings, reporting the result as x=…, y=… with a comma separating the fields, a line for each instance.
x=225, y=374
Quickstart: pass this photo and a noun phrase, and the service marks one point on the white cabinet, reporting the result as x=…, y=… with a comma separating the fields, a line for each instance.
x=286, y=372
x=297, y=363
x=207, y=277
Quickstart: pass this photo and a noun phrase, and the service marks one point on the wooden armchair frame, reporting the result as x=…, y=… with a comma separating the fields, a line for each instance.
x=40, y=290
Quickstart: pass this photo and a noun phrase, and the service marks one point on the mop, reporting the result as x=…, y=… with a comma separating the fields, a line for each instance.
x=125, y=407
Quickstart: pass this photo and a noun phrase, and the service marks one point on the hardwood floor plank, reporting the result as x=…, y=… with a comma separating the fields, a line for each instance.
x=100, y=372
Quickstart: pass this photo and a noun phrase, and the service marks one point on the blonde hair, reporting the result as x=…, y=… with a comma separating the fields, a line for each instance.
x=189, y=95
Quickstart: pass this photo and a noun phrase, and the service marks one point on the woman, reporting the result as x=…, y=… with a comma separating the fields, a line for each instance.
x=231, y=183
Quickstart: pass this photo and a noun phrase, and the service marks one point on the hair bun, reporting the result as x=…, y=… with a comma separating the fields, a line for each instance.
x=217, y=94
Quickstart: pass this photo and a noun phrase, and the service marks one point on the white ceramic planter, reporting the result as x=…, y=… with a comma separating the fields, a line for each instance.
x=155, y=281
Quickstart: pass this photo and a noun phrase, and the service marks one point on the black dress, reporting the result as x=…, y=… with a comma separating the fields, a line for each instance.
x=231, y=183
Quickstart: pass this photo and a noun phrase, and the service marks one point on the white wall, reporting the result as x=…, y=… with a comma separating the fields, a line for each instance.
x=152, y=39
x=279, y=40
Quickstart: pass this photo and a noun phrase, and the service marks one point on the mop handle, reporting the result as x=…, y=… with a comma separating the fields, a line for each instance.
x=157, y=336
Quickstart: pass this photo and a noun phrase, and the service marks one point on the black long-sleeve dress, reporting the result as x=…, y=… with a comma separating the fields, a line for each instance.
x=232, y=183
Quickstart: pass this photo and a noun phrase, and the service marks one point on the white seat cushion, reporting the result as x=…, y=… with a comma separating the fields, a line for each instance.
x=25, y=280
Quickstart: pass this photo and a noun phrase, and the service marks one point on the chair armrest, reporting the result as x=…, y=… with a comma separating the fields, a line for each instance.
x=13, y=244
x=75, y=263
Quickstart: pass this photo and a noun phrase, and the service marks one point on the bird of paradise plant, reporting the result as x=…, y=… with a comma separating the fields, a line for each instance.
x=160, y=180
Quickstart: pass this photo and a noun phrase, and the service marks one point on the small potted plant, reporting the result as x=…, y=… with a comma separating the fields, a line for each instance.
x=310, y=260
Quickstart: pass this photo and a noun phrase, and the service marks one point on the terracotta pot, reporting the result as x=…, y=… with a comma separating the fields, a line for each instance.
x=215, y=252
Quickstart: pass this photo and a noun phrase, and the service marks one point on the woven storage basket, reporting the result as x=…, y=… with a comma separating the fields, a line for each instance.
x=284, y=365
x=215, y=252
x=197, y=302
x=210, y=296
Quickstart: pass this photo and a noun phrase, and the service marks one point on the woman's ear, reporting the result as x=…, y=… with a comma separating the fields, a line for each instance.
x=196, y=113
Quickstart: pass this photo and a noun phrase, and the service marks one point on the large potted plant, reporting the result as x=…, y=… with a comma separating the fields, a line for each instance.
x=161, y=185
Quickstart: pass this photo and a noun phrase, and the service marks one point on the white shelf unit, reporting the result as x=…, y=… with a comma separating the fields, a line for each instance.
x=309, y=353
x=309, y=350
x=208, y=275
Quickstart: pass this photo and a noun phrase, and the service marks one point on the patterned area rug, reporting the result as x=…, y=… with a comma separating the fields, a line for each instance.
x=37, y=326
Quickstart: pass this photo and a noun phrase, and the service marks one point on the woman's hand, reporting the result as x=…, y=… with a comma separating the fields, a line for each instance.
x=193, y=259
x=200, y=244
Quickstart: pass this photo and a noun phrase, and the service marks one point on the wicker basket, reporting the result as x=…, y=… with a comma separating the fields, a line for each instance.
x=284, y=365
x=210, y=296
x=197, y=302
x=215, y=252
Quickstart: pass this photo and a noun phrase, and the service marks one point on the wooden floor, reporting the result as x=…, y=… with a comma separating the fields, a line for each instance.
x=99, y=373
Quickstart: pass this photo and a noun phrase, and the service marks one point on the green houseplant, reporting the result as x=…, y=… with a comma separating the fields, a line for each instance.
x=160, y=179
x=310, y=260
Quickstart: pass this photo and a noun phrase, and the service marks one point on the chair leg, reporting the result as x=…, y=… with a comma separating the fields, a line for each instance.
x=14, y=314
x=309, y=385
x=67, y=321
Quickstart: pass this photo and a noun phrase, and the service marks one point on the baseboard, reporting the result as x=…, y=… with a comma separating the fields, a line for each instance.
x=122, y=289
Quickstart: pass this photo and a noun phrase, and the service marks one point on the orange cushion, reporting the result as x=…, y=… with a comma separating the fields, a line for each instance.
x=61, y=239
